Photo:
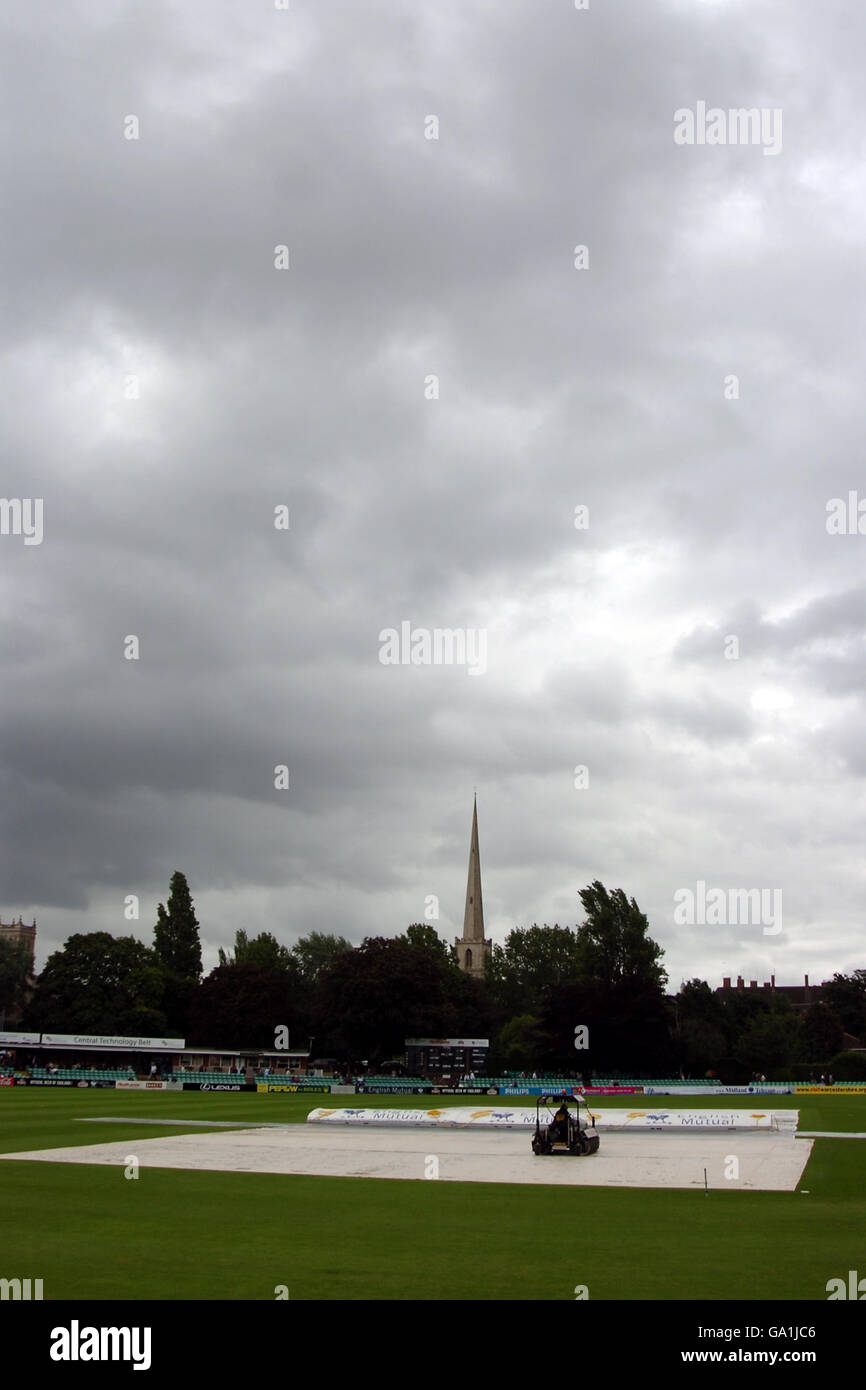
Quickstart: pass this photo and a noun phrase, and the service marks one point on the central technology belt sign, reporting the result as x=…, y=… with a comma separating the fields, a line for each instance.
x=108, y=1040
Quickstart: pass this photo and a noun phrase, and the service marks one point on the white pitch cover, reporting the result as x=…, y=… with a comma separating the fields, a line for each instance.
x=466, y=1117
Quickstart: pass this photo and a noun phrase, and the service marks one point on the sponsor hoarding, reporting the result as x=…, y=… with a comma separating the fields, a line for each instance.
x=467, y=1117
x=219, y=1086
x=42, y=1081
x=293, y=1088
x=148, y=1085
x=464, y=1091
x=610, y=1090
x=362, y=1089
x=781, y=1089
x=830, y=1090
x=571, y=1087
x=447, y=1042
x=108, y=1041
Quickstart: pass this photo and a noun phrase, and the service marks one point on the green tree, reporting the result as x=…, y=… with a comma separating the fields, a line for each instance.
x=822, y=1033
x=534, y=960
x=698, y=1028
x=702, y=1046
x=424, y=937
x=369, y=1000
x=15, y=967
x=617, y=993
x=175, y=938
x=614, y=945
x=696, y=1002
x=846, y=996
x=520, y=1045
x=316, y=952
x=243, y=1005
x=100, y=984
x=771, y=1041
x=264, y=951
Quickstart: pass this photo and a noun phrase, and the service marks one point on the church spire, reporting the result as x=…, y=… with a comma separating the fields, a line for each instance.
x=473, y=917
x=472, y=949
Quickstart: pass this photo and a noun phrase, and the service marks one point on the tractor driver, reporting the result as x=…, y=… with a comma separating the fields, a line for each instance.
x=559, y=1125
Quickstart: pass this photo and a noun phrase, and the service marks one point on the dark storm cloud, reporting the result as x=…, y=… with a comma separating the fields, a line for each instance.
x=154, y=259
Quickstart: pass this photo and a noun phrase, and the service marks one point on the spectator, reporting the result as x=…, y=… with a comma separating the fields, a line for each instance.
x=153, y=1070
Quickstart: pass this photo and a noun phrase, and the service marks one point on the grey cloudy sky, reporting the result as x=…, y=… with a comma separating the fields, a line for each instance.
x=607, y=386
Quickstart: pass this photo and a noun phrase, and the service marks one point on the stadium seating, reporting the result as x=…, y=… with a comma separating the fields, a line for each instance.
x=396, y=1081
x=181, y=1075
x=80, y=1074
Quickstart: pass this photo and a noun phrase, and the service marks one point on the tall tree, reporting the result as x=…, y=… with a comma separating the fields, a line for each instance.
x=615, y=948
x=616, y=993
x=178, y=950
x=175, y=938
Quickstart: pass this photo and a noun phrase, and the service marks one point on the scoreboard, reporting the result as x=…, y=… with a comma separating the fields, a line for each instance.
x=448, y=1058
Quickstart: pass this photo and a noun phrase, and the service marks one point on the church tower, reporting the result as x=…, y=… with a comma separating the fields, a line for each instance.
x=472, y=948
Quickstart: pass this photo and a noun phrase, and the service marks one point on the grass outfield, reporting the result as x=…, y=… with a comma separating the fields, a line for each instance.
x=91, y=1234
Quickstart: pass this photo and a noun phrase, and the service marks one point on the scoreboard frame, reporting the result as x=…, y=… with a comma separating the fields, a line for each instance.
x=447, y=1058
